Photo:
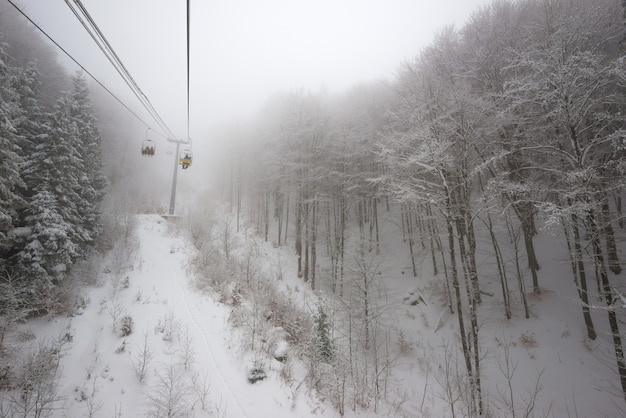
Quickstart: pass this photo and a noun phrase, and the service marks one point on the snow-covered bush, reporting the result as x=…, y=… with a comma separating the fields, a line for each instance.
x=323, y=334
x=126, y=328
x=257, y=372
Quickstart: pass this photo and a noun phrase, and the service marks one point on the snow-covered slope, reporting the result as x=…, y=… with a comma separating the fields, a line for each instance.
x=195, y=366
x=179, y=327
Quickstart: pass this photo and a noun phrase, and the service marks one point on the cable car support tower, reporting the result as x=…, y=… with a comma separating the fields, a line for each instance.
x=177, y=158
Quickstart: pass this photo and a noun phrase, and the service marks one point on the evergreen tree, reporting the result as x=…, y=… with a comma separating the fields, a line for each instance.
x=91, y=180
x=10, y=159
x=55, y=163
x=48, y=248
x=323, y=337
x=31, y=120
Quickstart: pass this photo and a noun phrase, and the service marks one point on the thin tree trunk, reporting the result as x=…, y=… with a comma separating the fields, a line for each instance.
x=410, y=235
x=459, y=307
x=267, y=215
x=609, y=236
x=431, y=238
x=618, y=208
x=307, y=237
x=501, y=270
x=287, y=216
x=581, y=279
x=514, y=236
x=342, y=249
x=524, y=212
x=313, y=244
x=610, y=302
x=299, y=232
x=375, y=220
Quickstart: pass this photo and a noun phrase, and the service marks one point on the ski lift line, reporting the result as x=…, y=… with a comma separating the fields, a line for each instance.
x=106, y=48
x=94, y=31
x=80, y=65
x=96, y=34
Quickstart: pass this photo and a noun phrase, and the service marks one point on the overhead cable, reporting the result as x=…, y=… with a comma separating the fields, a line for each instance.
x=79, y=64
x=96, y=34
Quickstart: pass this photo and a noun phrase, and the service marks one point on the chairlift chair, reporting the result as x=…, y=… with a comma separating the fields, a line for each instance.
x=148, y=148
x=185, y=159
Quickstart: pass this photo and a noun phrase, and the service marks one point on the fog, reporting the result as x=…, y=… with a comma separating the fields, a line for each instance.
x=242, y=51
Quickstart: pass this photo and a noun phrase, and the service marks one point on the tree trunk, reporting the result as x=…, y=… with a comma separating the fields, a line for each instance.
x=313, y=243
x=609, y=236
x=524, y=212
x=267, y=215
x=598, y=258
x=579, y=267
x=286, y=216
x=307, y=237
x=409, y=226
x=431, y=238
x=459, y=307
x=299, y=232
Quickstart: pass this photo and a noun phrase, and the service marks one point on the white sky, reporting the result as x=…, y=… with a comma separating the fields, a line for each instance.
x=244, y=50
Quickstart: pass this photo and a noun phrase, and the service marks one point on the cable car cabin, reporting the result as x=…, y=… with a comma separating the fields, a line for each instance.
x=147, y=148
x=185, y=159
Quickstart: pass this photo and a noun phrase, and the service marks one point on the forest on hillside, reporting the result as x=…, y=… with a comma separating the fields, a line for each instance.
x=511, y=123
x=51, y=179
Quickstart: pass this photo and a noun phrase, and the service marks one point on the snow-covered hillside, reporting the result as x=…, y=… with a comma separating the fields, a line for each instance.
x=181, y=355
x=179, y=336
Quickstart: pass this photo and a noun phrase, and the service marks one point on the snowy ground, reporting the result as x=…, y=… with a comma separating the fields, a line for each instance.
x=181, y=326
x=198, y=365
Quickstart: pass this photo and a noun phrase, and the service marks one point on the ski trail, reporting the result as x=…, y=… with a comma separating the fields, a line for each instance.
x=175, y=272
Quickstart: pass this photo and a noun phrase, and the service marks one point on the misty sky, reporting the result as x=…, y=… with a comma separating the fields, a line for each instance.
x=244, y=50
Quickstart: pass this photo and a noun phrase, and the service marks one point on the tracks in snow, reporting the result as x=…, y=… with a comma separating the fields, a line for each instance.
x=180, y=285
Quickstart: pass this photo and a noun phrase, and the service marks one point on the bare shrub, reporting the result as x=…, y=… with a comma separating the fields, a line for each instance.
x=405, y=347
x=121, y=348
x=187, y=352
x=528, y=340
x=142, y=358
x=202, y=388
x=125, y=282
x=169, y=326
x=115, y=309
x=282, y=312
x=91, y=405
x=452, y=381
x=510, y=395
x=37, y=383
x=169, y=397
x=14, y=302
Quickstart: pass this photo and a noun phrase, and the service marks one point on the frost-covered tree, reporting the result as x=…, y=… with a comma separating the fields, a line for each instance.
x=91, y=180
x=568, y=98
x=52, y=177
x=47, y=249
x=10, y=159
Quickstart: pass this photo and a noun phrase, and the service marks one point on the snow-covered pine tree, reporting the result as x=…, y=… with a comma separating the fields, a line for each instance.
x=91, y=180
x=55, y=164
x=31, y=120
x=323, y=333
x=64, y=187
x=48, y=248
x=10, y=159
